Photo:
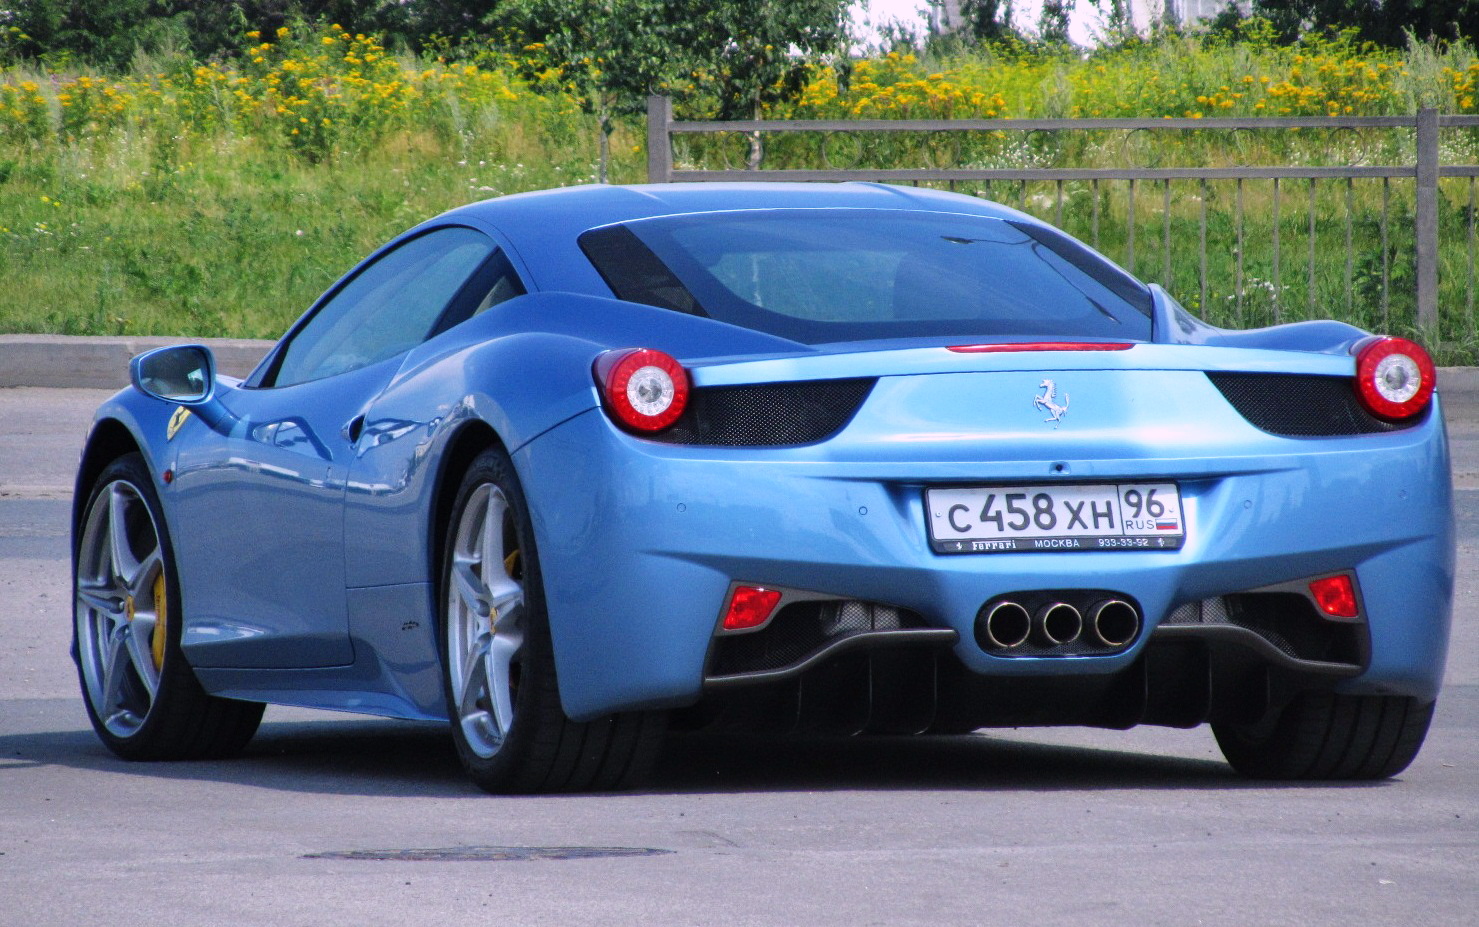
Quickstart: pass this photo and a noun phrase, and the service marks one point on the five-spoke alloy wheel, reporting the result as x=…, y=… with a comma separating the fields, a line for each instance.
x=503, y=698
x=122, y=608
x=142, y=698
x=485, y=617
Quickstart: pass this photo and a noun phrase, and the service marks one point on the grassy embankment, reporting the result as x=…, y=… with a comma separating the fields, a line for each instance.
x=220, y=199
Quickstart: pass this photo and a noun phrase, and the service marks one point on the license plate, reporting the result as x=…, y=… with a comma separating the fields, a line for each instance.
x=1060, y=517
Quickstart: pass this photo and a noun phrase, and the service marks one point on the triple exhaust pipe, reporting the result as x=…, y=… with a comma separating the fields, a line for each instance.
x=1007, y=624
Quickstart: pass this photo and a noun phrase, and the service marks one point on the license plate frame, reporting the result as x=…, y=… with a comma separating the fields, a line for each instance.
x=1143, y=515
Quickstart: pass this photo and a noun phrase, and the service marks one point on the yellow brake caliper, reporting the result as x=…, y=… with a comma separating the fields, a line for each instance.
x=510, y=565
x=161, y=619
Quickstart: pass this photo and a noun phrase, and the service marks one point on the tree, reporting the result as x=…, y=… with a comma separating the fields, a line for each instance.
x=1386, y=23
x=742, y=54
x=217, y=28
x=104, y=32
x=752, y=54
x=421, y=21
x=108, y=32
x=1118, y=20
x=988, y=20
x=1052, y=23
x=610, y=53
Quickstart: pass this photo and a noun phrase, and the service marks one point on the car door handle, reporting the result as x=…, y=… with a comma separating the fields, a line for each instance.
x=353, y=427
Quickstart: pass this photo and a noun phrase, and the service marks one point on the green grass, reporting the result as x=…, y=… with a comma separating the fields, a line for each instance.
x=225, y=237
x=183, y=219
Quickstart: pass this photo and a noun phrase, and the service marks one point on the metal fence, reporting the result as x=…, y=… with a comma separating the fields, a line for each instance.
x=1403, y=236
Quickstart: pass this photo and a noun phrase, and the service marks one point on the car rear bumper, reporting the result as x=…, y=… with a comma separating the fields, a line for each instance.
x=640, y=541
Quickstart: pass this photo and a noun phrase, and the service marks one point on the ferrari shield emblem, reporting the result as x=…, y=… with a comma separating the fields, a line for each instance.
x=175, y=421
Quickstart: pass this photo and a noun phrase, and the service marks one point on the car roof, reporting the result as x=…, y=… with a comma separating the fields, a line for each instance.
x=543, y=226
x=594, y=205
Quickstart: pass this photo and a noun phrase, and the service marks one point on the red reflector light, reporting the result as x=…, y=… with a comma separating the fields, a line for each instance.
x=1013, y=347
x=750, y=607
x=645, y=390
x=1336, y=596
x=1394, y=377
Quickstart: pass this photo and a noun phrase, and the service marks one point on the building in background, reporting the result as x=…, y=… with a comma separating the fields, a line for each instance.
x=1192, y=11
x=946, y=16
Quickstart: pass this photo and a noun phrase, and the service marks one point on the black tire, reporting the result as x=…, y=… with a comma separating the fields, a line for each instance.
x=117, y=611
x=1322, y=735
x=525, y=743
x=951, y=728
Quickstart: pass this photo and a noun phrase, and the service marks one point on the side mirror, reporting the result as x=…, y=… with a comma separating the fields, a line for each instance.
x=184, y=373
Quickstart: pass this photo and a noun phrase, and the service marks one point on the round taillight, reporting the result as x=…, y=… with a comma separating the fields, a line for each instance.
x=1394, y=377
x=644, y=390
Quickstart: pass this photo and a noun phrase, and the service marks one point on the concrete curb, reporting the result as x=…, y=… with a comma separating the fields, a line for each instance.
x=101, y=362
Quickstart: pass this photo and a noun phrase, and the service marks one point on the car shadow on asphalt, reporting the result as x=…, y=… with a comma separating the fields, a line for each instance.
x=404, y=759
x=351, y=757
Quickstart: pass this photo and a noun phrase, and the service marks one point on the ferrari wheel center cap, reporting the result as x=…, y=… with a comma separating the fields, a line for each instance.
x=128, y=607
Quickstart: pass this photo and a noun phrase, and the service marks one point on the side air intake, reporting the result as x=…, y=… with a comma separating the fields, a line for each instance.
x=768, y=414
x=1299, y=406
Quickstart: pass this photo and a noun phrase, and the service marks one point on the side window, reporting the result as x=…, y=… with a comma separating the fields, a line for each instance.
x=493, y=283
x=503, y=284
x=392, y=305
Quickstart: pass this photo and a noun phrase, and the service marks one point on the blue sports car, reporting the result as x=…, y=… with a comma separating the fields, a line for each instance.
x=564, y=468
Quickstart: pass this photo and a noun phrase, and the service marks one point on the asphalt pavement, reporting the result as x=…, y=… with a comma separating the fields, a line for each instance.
x=332, y=819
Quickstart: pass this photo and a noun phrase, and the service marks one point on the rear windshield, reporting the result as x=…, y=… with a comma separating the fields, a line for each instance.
x=826, y=275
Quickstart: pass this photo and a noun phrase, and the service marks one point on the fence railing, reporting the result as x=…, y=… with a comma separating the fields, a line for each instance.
x=1409, y=240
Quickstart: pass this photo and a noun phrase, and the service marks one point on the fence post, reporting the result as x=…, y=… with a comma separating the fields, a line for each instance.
x=1427, y=219
x=659, y=146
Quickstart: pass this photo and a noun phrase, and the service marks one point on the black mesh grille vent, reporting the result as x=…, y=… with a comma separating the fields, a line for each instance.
x=1290, y=623
x=800, y=629
x=768, y=414
x=1207, y=611
x=1286, y=620
x=1301, y=406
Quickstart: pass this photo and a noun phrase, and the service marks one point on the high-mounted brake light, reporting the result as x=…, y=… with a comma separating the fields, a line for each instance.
x=643, y=389
x=1394, y=377
x=1336, y=596
x=750, y=607
x=1012, y=347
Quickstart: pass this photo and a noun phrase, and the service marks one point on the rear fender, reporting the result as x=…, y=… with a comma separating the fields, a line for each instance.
x=499, y=388
x=1174, y=325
